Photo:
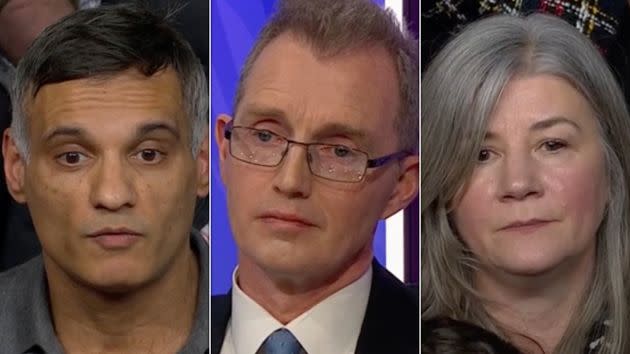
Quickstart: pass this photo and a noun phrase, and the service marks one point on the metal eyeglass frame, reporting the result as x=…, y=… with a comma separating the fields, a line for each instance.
x=370, y=163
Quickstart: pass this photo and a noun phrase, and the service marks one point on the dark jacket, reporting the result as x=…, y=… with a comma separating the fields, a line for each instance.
x=391, y=323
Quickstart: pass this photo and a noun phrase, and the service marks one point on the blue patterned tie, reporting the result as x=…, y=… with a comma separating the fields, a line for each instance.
x=281, y=341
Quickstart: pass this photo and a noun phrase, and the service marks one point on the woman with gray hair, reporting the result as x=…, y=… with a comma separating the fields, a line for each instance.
x=525, y=179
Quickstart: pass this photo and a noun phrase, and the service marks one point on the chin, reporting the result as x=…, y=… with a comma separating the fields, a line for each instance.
x=117, y=281
x=116, y=289
x=529, y=266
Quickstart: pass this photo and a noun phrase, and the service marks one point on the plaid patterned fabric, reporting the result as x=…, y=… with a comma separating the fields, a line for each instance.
x=88, y=4
x=597, y=19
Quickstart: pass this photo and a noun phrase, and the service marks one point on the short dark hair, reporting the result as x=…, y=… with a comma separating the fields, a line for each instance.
x=105, y=41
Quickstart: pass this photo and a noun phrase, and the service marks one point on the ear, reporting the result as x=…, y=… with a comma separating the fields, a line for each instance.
x=406, y=188
x=203, y=167
x=14, y=166
x=222, y=142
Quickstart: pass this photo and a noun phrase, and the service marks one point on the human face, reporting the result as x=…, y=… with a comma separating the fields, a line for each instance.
x=111, y=182
x=284, y=220
x=537, y=194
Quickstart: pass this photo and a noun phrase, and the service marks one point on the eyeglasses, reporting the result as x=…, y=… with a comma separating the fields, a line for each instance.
x=333, y=162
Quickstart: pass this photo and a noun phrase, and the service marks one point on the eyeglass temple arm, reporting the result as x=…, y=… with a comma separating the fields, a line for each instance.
x=227, y=132
x=380, y=161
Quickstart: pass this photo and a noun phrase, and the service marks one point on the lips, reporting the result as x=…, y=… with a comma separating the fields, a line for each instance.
x=526, y=225
x=115, y=238
x=277, y=217
x=114, y=231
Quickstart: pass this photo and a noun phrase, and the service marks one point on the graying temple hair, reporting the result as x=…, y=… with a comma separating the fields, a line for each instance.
x=332, y=27
x=459, y=91
x=100, y=43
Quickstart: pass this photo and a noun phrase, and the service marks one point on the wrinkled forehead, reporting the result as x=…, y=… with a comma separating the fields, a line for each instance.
x=291, y=81
x=128, y=94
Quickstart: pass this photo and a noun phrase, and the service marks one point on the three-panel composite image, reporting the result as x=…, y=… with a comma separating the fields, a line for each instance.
x=315, y=177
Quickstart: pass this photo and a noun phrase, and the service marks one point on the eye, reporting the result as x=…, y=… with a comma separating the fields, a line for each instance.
x=335, y=152
x=150, y=155
x=484, y=155
x=342, y=151
x=263, y=135
x=71, y=158
x=553, y=145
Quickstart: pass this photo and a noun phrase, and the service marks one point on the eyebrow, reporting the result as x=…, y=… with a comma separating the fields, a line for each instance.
x=64, y=131
x=262, y=111
x=340, y=129
x=327, y=129
x=550, y=122
x=542, y=125
x=148, y=128
x=141, y=131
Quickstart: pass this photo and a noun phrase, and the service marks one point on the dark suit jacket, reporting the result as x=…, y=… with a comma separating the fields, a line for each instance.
x=390, y=326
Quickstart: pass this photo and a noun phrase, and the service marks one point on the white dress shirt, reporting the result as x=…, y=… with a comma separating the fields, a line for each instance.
x=332, y=326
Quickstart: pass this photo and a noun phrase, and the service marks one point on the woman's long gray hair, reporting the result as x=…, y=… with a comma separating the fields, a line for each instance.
x=459, y=91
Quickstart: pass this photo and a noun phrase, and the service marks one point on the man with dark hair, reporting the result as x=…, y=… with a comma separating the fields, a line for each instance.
x=108, y=147
x=321, y=146
x=20, y=23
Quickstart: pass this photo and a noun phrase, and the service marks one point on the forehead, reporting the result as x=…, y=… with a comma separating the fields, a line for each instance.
x=122, y=99
x=358, y=86
x=526, y=100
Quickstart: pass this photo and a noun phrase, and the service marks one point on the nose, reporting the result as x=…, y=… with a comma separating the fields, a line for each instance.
x=519, y=178
x=293, y=177
x=112, y=186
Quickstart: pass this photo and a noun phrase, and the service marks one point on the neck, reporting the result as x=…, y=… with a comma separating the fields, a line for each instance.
x=538, y=307
x=159, y=316
x=284, y=300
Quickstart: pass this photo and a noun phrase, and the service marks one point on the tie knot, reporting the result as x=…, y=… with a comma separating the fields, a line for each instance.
x=281, y=341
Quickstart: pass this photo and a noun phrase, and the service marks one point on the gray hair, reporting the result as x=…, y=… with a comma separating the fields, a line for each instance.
x=459, y=91
x=100, y=43
x=332, y=27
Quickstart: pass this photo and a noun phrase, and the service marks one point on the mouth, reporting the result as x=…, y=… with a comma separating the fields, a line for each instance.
x=115, y=238
x=281, y=219
x=526, y=226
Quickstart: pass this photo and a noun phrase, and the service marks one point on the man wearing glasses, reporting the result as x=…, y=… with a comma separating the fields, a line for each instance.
x=321, y=146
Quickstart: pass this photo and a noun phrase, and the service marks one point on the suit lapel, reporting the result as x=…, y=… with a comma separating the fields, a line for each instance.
x=220, y=315
x=391, y=323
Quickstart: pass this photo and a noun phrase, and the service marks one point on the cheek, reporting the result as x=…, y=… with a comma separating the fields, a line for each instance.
x=57, y=206
x=581, y=191
x=170, y=194
x=240, y=186
x=352, y=215
x=54, y=195
x=473, y=212
x=246, y=187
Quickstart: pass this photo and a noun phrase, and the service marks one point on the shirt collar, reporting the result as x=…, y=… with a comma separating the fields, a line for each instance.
x=199, y=340
x=37, y=329
x=331, y=326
